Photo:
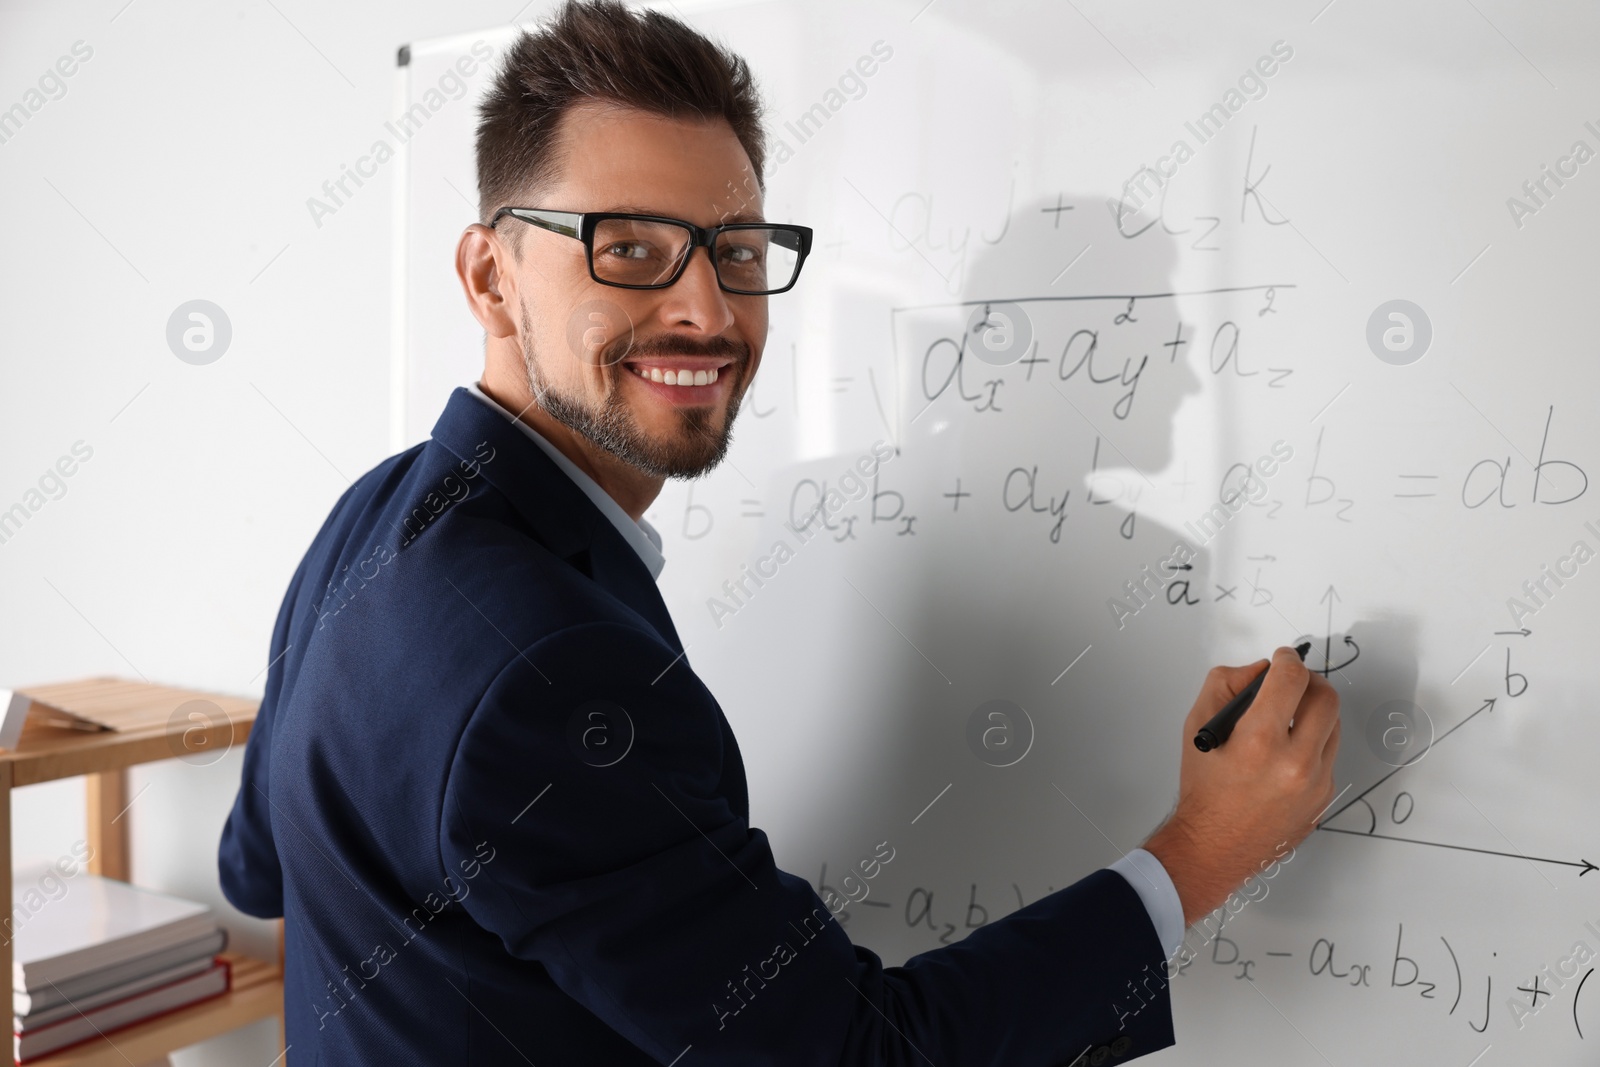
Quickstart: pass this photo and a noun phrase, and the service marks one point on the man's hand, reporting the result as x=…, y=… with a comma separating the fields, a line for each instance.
x=1239, y=804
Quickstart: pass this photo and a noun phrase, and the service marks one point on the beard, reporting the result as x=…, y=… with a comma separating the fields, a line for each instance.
x=695, y=449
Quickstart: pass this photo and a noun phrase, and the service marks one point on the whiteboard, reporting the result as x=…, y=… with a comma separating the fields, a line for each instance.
x=1071, y=362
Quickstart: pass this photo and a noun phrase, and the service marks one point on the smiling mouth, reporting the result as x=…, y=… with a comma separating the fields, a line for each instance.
x=679, y=372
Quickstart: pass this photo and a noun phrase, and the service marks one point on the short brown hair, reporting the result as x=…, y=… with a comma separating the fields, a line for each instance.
x=599, y=50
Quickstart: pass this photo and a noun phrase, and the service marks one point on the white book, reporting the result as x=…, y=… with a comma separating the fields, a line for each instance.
x=109, y=1018
x=200, y=950
x=23, y=1024
x=97, y=923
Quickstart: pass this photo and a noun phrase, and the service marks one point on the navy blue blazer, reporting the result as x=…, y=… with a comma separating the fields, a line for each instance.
x=505, y=823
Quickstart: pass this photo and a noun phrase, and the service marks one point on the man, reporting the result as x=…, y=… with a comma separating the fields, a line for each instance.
x=504, y=821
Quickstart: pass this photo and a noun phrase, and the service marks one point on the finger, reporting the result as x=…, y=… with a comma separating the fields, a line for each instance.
x=1317, y=716
x=1221, y=685
x=1279, y=697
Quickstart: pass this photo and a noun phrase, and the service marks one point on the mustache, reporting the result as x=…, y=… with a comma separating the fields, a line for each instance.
x=669, y=345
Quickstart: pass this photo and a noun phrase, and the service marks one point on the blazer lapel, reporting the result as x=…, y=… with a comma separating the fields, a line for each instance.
x=562, y=516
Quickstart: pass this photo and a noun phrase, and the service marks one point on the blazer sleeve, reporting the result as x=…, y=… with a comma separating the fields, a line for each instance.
x=586, y=796
x=247, y=858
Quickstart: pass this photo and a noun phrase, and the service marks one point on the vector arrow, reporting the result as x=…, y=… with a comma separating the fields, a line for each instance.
x=1585, y=864
x=1487, y=705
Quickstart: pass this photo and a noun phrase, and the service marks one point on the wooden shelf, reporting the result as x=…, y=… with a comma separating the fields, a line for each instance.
x=257, y=994
x=157, y=731
x=45, y=753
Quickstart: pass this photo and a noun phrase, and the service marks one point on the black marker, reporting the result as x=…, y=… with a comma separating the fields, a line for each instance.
x=1222, y=723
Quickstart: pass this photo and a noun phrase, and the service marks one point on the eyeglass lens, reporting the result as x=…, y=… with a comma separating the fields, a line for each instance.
x=636, y=252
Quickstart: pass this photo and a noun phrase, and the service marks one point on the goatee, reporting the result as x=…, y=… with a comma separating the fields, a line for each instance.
x=695, y=450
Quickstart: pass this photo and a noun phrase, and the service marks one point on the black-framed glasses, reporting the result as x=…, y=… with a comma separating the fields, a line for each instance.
x=652, y=252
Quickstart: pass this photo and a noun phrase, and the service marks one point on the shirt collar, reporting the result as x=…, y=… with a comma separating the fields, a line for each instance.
x=641, y=535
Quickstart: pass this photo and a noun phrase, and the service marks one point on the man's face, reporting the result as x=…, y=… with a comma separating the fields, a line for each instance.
x=597, y=355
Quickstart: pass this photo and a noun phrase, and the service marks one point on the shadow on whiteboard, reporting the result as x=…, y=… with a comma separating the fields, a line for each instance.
x=1019, y=735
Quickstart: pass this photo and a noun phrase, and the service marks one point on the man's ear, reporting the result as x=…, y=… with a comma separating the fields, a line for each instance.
x=484, y=265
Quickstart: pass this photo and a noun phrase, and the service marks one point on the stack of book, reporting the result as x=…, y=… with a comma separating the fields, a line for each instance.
x=92, y=955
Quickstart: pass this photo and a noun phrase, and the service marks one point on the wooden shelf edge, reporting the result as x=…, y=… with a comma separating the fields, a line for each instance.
x=113, y=750
x=149, y=723
x=257, y=994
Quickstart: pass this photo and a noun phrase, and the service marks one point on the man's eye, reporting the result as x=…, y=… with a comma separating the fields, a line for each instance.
x=630, y=250
x=740, y=254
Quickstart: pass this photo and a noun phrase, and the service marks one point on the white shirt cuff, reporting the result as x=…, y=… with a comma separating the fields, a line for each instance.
x=1150, y=880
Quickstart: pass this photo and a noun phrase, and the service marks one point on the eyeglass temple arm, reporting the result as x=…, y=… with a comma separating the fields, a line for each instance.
x=554, y=221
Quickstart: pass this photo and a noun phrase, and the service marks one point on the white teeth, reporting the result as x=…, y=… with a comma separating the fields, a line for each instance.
x=671, y=377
